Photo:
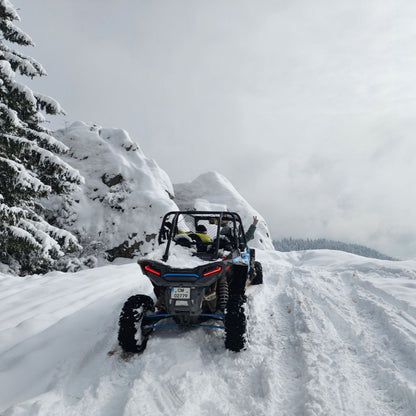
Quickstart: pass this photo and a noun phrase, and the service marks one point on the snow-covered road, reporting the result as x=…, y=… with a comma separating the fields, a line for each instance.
x=330, y=334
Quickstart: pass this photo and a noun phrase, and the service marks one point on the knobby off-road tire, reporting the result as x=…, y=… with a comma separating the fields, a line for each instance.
x=258, y=274
x=131, y=335
x=235, y=323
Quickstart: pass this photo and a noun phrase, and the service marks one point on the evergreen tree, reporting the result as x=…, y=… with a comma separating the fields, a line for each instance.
x=30, y=166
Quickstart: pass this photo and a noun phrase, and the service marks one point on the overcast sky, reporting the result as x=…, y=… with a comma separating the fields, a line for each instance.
x=307, y=107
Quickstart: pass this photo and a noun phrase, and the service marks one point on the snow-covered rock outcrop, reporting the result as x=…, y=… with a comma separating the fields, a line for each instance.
x=118, y=209
x=212, y=191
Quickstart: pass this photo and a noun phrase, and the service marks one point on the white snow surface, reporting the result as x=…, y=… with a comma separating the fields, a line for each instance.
x=330, y=333
x=179, y=256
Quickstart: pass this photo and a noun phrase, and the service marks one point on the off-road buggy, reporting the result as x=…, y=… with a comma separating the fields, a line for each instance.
x=199, y=274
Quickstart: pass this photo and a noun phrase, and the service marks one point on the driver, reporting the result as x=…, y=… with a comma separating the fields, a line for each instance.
x=200, y=231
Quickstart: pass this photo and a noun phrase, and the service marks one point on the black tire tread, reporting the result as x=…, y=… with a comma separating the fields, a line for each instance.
x=235, y=323
x=129, y=317
x=258, y=274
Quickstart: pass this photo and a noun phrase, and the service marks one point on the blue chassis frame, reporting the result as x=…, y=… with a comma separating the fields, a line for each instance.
x=158, y=317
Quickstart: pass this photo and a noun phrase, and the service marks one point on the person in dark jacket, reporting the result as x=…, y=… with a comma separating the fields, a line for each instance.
x=252, y=229
x=226, y=229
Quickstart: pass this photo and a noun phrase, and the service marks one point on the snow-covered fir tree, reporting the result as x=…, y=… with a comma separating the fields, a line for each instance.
x=30, y=166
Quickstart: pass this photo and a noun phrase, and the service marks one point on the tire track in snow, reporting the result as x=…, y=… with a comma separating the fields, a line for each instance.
x=402, y=308
x=184, y=370
x=341, y=345
x=272, y=337
x=327, y=361
x=321, y=343
x=395, y=358
x=195, y=371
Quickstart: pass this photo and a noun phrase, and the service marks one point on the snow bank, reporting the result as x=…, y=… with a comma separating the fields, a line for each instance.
x=212, y=191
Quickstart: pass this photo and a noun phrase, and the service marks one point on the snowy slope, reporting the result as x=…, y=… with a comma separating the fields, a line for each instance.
x=330, y=334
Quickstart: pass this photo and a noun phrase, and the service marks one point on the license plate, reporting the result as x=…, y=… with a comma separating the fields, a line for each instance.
x=180, y=293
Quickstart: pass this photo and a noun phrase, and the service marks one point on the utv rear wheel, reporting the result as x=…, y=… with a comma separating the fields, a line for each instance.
x=258, y=274
x=132, y=337
x=235, y=323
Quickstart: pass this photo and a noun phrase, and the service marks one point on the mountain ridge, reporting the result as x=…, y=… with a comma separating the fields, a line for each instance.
x=296, y=244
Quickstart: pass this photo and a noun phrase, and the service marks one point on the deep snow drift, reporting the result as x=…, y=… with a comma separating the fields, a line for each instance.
x=330, y=334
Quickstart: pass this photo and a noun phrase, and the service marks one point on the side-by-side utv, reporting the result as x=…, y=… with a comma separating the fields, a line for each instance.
x=199, y=275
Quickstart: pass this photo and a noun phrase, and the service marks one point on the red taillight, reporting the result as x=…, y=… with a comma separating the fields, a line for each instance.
x=216, y=270
x=149, y=269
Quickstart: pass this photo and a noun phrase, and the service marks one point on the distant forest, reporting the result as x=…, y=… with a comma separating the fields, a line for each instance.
x=291, y=244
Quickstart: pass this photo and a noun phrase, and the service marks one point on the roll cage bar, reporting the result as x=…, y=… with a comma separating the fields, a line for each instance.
x=169, y=228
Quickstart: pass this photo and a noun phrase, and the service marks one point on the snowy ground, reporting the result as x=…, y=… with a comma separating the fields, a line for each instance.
x=330, y=334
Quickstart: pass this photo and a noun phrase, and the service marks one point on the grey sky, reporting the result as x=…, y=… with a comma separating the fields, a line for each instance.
x=307, y=107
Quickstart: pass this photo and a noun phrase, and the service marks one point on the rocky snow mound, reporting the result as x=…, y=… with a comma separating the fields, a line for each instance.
x=118, y=209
